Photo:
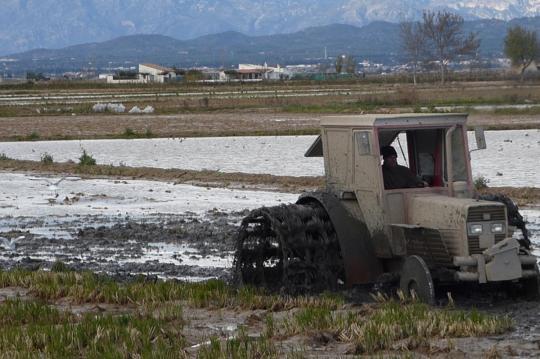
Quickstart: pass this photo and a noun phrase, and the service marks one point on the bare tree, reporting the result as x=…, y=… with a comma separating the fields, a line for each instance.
x=413, y=43
x=521, y=47
x=443, y=30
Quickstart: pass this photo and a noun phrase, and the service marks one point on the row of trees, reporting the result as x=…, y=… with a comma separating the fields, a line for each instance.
x=439, y=38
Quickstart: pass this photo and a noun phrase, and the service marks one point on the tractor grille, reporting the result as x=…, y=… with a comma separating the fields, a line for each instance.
x=474, y=243
x=496, y=213
x=487, y=214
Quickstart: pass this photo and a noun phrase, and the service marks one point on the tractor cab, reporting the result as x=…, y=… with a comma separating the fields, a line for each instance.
x=433, y=146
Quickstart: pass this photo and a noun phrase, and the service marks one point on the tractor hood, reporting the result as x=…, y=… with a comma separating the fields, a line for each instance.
x=453, y=218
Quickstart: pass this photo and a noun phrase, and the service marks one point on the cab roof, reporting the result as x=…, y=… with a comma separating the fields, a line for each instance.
x=390, y=120
x=400, y=121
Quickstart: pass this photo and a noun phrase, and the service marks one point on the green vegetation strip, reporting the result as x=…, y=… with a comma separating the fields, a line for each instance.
x=151, y=320
x=88, y=287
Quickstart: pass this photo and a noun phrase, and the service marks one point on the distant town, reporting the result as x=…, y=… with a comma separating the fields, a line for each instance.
x=156, y=73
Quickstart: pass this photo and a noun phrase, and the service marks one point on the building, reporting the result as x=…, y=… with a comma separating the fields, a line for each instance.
x=253, y=73
x=147, y=73
x=249, y=72
x=156, y=73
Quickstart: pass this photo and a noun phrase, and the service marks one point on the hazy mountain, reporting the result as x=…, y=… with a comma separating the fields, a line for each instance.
x=379, y=41
x=28, y=24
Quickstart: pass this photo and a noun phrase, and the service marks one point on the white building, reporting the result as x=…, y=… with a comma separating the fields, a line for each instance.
x=147, y=73
x=249, y=72
x=156, y=73
x=112, y=79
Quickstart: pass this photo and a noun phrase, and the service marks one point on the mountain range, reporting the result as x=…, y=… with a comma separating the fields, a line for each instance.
x=30, y=24
x=379, y=41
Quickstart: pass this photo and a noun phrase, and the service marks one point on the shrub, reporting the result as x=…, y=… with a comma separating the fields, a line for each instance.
x=480, y=182
x=128, y=132
x=47, y=159
x=86, y=159
x=3, y=157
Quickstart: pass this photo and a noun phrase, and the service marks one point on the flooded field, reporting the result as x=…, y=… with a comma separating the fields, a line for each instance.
x=506, y=162
x=123, y=227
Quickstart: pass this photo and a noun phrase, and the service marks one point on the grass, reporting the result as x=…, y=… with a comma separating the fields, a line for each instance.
x=87, y=287
x=18, y=312
x=412, y=324
x=241, y=347
x=129, y=133
x=154, y=317
x=37, y=330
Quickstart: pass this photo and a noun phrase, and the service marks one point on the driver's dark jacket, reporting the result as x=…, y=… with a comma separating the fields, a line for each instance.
x=399, y=177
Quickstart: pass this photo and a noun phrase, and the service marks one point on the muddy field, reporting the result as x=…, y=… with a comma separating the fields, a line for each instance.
x=163, y=230
x=198, y=246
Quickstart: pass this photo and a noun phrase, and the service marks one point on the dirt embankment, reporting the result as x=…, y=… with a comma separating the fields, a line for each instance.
x=202, y=178
x=200, y=124
x=180, y=125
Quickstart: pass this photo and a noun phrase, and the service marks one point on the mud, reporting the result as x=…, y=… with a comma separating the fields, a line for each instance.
x=184, y=246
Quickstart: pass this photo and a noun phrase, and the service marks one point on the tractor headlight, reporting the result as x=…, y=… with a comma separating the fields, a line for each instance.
x=475, y=229
x=497, y=228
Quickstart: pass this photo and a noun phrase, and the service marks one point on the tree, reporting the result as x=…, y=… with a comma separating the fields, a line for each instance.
x=193, y=75
x=521, y=47
x=443, y=30
x=350, y=64
x=339, y=63
x=413, y=43
x=345, y=63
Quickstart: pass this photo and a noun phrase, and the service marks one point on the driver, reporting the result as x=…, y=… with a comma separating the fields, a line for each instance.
x=397, y=176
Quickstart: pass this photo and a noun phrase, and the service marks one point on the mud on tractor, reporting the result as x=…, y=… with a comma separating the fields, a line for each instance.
x=356, y=231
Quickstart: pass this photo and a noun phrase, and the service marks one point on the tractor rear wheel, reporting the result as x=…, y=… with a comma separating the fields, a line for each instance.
x=291, y=248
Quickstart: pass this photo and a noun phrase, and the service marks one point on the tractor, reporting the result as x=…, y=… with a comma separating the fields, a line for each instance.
x=356, y=231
